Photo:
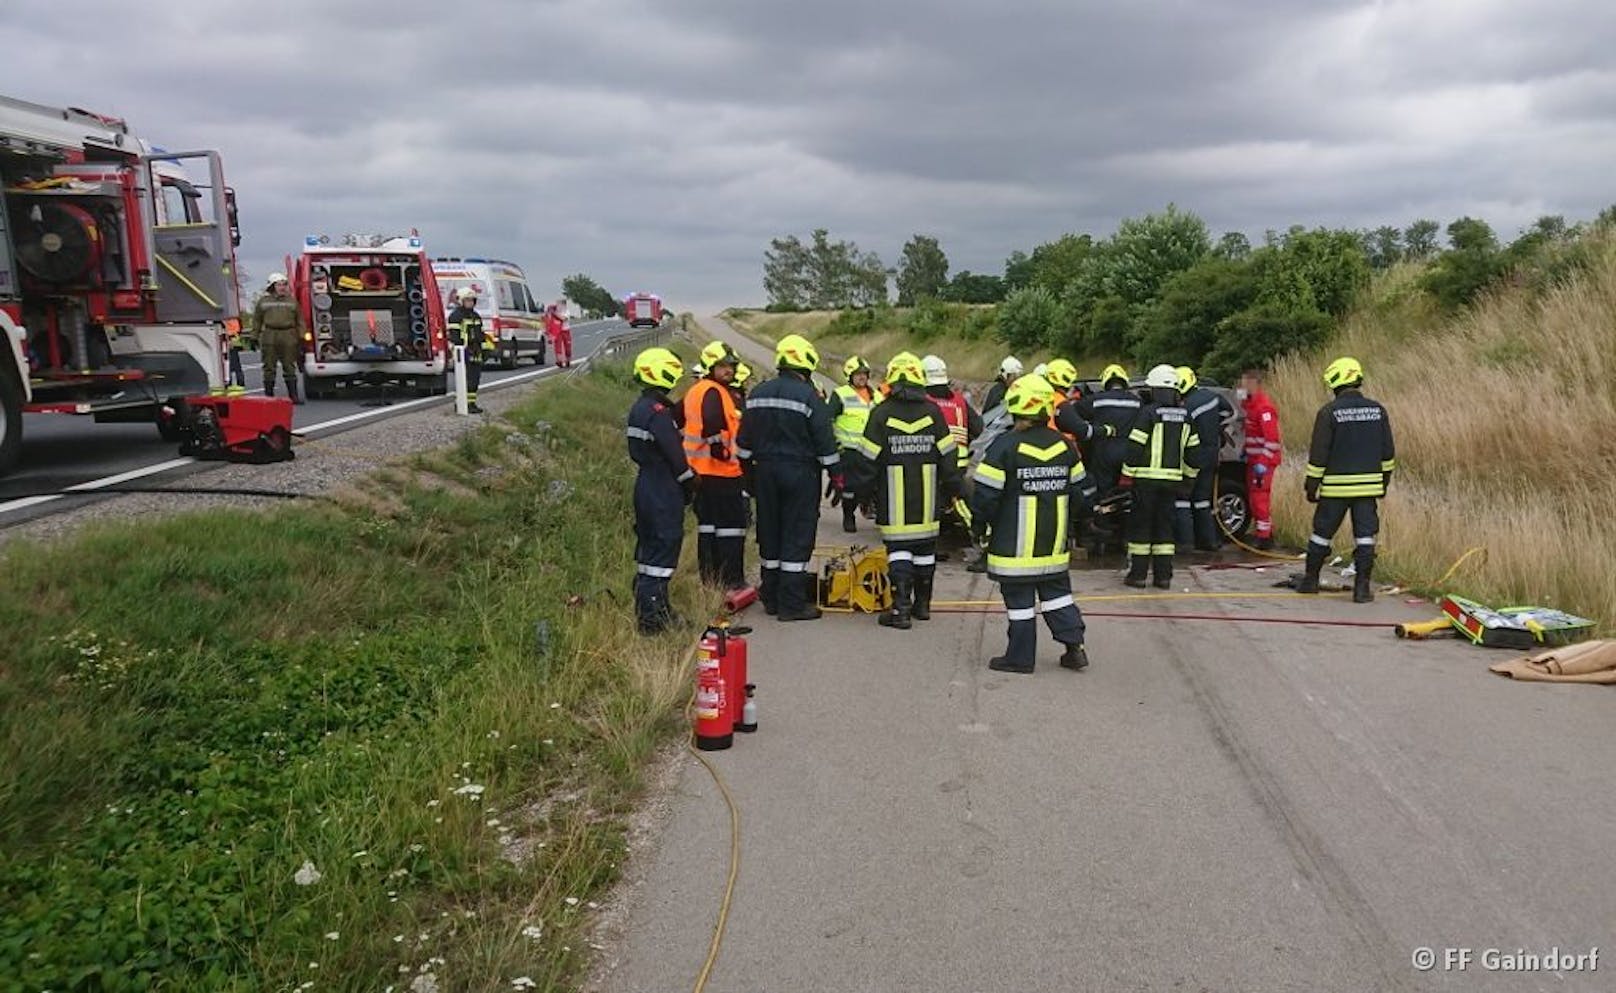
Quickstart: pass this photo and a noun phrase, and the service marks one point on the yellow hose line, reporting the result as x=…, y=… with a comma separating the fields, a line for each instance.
x=717, y=942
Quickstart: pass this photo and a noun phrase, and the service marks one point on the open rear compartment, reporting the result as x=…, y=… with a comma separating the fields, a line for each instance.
x=372, y=309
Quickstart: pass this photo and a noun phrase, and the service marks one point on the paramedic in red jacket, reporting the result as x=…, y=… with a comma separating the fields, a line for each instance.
x=560, y=333
x=1263, y=451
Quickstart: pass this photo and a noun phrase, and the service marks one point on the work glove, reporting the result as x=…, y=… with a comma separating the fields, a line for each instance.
x=719, y=451
x=1311, y=488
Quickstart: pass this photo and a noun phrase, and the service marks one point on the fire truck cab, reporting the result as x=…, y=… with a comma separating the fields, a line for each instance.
x=117, y=270
x=371, y=306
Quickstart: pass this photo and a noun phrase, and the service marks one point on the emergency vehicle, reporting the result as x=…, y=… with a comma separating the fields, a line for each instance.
x=374, y=315
x=643, y=310
x=117, y=271
x=504, y=302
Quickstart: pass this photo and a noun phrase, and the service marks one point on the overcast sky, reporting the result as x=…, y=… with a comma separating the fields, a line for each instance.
x=659, y=146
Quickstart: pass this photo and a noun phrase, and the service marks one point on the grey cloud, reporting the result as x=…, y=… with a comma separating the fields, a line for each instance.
x=661, y=145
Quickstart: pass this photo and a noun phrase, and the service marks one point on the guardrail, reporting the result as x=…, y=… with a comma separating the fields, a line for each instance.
x=627, y=346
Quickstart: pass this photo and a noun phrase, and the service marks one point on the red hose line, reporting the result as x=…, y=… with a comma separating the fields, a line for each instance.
x=1238, y=618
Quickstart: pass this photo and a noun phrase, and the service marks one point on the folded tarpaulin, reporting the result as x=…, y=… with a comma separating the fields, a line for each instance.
x=1589, y=662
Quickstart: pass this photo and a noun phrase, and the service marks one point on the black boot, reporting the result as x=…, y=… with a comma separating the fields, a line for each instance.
x=1207, y=538
x=1138, y=569
x=1162, y=566
x=1074, y=658
x=291, y=391
x=1363, y=587
x=1309, y=583
x=1022, y=652
x=269, y=387
x=898, y=615
x=849, y=524
x=769, y=591
x=795, y=604
x=921, y=611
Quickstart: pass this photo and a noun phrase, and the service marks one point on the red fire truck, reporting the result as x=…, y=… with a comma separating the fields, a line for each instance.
x=117, y=271
x=373, y=313
x=643, y=310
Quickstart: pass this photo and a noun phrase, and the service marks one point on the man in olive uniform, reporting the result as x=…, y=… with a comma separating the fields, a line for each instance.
x=280, y=327
x=466, y=328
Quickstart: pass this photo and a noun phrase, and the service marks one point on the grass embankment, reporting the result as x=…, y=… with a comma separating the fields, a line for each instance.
x=1505, y=420
x=963, y=335
x=345, y=746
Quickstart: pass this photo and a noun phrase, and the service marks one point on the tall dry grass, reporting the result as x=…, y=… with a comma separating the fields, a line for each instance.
x=1505, y=420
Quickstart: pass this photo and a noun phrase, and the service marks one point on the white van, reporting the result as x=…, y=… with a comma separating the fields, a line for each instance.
x=508, y=309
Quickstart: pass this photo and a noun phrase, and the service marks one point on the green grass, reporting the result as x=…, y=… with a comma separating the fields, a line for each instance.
x=399, y=687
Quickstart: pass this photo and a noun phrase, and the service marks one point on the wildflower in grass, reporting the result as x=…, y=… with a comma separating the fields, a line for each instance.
x=426, y=982
x=332, y=935
x=306, y=875
x=473, y=790
x=533, y=932
x=571, y=901
x=433, y=803
x=523, y=983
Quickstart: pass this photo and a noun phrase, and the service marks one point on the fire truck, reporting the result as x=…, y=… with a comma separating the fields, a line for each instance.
x=373, y=312
x=643, y=310
x=117, y=271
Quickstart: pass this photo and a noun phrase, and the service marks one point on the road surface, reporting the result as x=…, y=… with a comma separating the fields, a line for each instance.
x=1215, y=805
x=61, y=452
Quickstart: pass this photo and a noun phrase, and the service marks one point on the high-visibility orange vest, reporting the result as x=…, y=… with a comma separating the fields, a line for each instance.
x=698, y=449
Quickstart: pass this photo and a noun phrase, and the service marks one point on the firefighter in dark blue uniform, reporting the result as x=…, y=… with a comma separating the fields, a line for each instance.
x=1114, y=407
x=1193, y=520
x=787, y=440
x=465, y=327
x=1349, y=467
x=1158, y=468
x=662, y=490
x=909, y=464
x=1031, y=490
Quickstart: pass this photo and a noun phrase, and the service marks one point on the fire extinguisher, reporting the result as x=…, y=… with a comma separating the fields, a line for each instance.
x=715, y=718
x=735, y=678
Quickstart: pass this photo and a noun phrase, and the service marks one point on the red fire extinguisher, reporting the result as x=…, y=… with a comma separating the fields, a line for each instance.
x=735, y=677
x=715, y=717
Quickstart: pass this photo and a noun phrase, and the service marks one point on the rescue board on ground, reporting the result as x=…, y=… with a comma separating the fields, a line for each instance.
x=1514, y=627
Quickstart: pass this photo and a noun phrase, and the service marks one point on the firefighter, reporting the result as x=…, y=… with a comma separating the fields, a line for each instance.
x=1028, y=486
x=237, y=379
x=737, y=386
x=786, y=437
x=1349, y=467
x=1207, y=411
x=711, y=421
x=466, y=328
x=1159, y=468
x=560, y=334
x=1009, y=369
x=964, y=423
x=850, y=407
x=1062, y=375
x=279, y=324
x=665, y=486
x=1262, y=451
x=909, y=463
x=1114, y=406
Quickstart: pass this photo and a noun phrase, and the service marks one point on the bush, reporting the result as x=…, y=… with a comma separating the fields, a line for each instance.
x=1255, y=337
x=1029, y=318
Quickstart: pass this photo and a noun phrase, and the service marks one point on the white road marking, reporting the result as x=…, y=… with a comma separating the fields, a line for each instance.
x=23, y=503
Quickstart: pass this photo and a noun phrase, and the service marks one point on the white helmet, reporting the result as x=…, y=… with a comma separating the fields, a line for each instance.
x=465, y=293
x=1162, y=377
x=1039, y=369
x=936, y=370
x=275, y=279
x=1010, y=368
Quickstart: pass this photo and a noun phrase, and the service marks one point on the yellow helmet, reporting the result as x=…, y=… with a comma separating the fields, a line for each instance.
x=1113, y=371
x=906, y=368
x=796, y=352
x=743, y=372
x=1030, y=396
x=658, y=367
x=854, y=363
x=717, y=353
x=1343, y=372
x=1186, y=378
x=1061, y=374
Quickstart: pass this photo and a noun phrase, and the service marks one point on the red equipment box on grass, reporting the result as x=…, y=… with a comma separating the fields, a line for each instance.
x=249, y=429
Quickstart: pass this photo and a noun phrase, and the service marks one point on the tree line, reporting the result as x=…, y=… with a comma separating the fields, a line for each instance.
x=1160, y=288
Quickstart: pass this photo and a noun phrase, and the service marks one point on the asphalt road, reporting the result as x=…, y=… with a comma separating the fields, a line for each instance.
x=1224, y=804
x=60, y=451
